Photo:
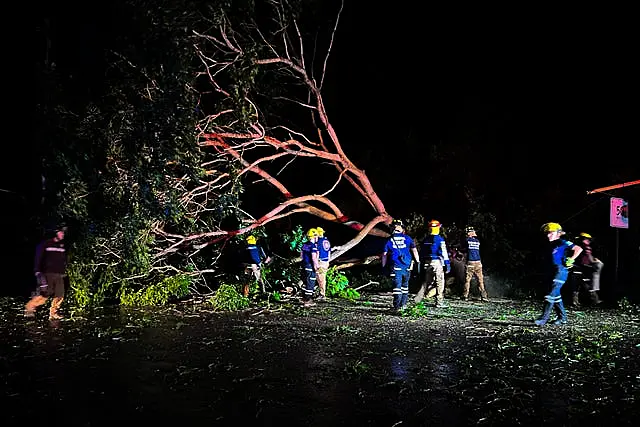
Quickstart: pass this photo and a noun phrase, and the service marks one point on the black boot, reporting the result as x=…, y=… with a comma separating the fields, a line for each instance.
x=562, y=314
x=593, y=296
x=545, y=314
x=575, y=301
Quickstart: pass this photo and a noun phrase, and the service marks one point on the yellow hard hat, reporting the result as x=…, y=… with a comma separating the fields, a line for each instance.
x=251, y=240
x=550, y=227
x=585, y=235
x=434, y=227
x=312, y=233
x=320, y=231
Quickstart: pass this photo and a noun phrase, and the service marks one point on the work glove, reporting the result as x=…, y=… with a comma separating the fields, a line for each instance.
x=448, y=268
x=569, y=262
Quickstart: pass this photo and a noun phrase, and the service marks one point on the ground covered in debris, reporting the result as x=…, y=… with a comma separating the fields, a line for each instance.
x=338, y=363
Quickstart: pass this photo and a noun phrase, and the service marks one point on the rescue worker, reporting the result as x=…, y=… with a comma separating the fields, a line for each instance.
x=398, y=255
x=50, y=270
x=324, y=256
x=560, y=264
x=436, y=259
x=255, y=256
x=309, y=256
x=587, y=272
x=474, y=265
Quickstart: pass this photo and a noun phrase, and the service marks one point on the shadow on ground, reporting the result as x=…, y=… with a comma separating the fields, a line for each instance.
x=335, y=364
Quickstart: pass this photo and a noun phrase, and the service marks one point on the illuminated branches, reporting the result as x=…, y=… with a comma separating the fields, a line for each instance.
x=236, y=131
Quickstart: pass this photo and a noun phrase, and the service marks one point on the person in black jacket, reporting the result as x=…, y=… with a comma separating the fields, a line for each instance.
x=50, y=269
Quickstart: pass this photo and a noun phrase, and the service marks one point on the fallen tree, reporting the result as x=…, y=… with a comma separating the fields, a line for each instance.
x=153, y=174
x=235, y=130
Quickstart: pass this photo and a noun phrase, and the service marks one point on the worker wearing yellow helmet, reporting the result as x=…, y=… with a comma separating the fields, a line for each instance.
x=552, y=227
x=563, y=256
x=434, y=227
x=435, y=256
x=309, y=257
x=324, y=255
x=254, y=259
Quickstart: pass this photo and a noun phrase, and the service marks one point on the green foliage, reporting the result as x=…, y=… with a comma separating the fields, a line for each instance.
x=123, y=259
x=118, y=157
x=227, y=298
x=295, y=239
x=159, y=294
x=284, y=270
x=416, y=310
x=275, y=296
x=254, y=288
x=120, y=150
x=281, y=273
x=80, y=295
x=338, y=285
x=89, y=284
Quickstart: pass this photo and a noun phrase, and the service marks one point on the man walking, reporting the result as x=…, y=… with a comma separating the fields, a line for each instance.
x=561, y=261
x=398, y=253
x=436, y=258
x=50, y=269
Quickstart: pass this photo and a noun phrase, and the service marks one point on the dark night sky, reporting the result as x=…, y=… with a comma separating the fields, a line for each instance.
x=534, y=82
x=545, y=98
x=541, y=95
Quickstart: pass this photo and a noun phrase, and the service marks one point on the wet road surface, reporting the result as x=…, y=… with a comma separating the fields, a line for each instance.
x=331, y=365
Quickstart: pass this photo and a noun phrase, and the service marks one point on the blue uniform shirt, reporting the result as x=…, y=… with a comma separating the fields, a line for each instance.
x=559, y=251
x=255, y=254
x=398, y=247
x=434, y=247
x=473, y=249
x=324, y=248
x=308, y=248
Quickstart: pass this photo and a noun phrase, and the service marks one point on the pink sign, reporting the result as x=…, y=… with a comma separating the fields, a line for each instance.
x=619, y=213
